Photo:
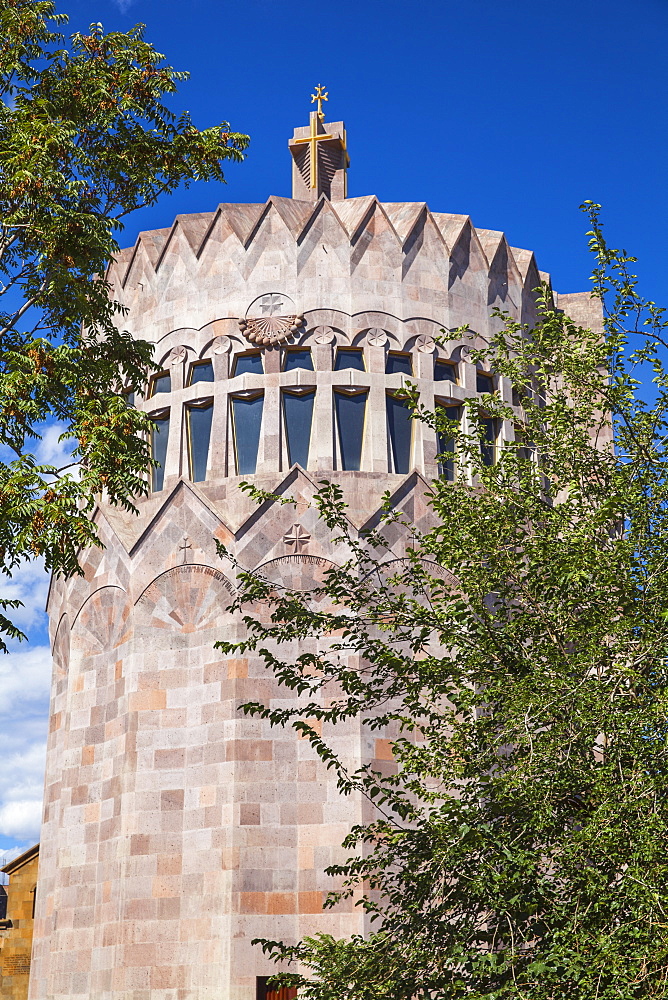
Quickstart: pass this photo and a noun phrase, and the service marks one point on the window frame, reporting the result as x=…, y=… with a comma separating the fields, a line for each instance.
x=158, y=472
x=152, y=391
x=400, y=354
x=345, y=391
x=247, y=396
x=391, y=449
x=295, y=390
x=287, y=351
x=206, y=404
x=451, y=475
x=246, y=354
x=358, y=351
x=444, y=364
x=201, y=363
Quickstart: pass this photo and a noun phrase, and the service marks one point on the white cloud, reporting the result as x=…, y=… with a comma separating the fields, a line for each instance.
x=21, y=819
x=123, y=5
x=24, y=677
x=29, y=583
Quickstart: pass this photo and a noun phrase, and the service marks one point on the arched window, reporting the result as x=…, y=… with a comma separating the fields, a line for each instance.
x=298, y=417
x=350, y=409
x=246, y=426
x=397, y=362
x=399, y=428
x=199, y=435
x=446, y=444
x=162, y=382
x=297, y=358
x=445, y=371
x=159, y=439
x=248, y=364
x=349, y=357
x=201, y=371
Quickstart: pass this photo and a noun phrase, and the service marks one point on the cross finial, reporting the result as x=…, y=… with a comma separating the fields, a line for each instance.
x=319, y=96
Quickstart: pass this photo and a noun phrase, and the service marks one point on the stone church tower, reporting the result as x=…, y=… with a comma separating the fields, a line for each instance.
x=175, y=829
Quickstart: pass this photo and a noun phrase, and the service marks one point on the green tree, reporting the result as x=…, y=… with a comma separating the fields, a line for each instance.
x=85, y=138
x=518, y=657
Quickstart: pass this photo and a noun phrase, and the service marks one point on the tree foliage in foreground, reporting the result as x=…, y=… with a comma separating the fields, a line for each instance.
x=85, y=138
x=521, y=848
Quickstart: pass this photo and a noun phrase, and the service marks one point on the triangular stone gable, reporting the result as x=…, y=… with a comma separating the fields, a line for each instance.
x=147, y=251
x=404, y=216
x=375, y=263
x=242, y=219
x=295, y=214
x=352, y=213
x=468, y=279
x=323, y=255
x=194, y=227
x=425, y=264
x=271, y=243
x=450, y=225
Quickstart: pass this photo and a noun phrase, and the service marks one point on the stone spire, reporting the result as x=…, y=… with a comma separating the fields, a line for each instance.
x=319, y=156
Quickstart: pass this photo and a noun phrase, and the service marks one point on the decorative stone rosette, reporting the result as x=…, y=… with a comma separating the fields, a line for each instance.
x=269, y=330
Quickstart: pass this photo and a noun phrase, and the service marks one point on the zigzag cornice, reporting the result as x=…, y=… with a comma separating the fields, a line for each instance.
x=353, y=215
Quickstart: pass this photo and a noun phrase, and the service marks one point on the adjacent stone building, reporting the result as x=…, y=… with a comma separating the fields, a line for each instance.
x=16, y=924
x=175, y=829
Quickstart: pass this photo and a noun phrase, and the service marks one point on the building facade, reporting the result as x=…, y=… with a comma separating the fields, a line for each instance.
x=16, y=924
x=176, y=829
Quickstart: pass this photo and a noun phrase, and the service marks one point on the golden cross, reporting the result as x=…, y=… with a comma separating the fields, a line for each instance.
x=313, y=139
x=319, y=97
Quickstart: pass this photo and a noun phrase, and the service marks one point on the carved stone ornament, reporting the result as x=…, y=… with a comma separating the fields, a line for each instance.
x=376, y=337
x=221, y=345
x=267, y=331
x=324, y=335
x=178, y=355
x=425, y=344
x=297, y=537
x=268, y=320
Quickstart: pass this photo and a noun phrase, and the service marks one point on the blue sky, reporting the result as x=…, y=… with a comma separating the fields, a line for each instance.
x=511, y=113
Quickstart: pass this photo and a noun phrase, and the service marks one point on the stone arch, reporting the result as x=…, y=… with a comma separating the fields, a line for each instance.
x=186, y=599
x=296, y=571
x=102, y=622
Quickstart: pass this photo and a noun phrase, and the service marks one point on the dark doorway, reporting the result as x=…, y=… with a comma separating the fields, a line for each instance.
x=264, y=992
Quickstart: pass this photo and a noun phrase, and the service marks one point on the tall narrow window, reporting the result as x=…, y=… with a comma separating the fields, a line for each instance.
x=246, y=425
x=444, y=371
x=160, y=383
x=350, y=410
x=298, y=416
x=446, y=445
x=484, y=382
x=398, y=363
x=199, y=436
x=300, y=358
x=159, y=439
x=248, y=364
x=349, y=358
x=201, y=371
x=399, y=427
x=488, y=441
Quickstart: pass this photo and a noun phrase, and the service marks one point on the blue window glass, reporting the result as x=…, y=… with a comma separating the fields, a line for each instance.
x=199, y=436
x=129, y=398
x=446, y=446
x=246, y=425
x=488, y=441
x=444, y=372
x=349, y=358
x=201, y=371
x=248, y=364
x=483, y=382
x=161, y=383
x=350, y=410
x=298, y=415
x=159, y=439
x=398, y=363
x=399, y=427
x=298, y=359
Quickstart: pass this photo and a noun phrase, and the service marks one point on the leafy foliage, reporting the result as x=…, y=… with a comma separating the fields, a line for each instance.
x=85, y=138
x=517, y=662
